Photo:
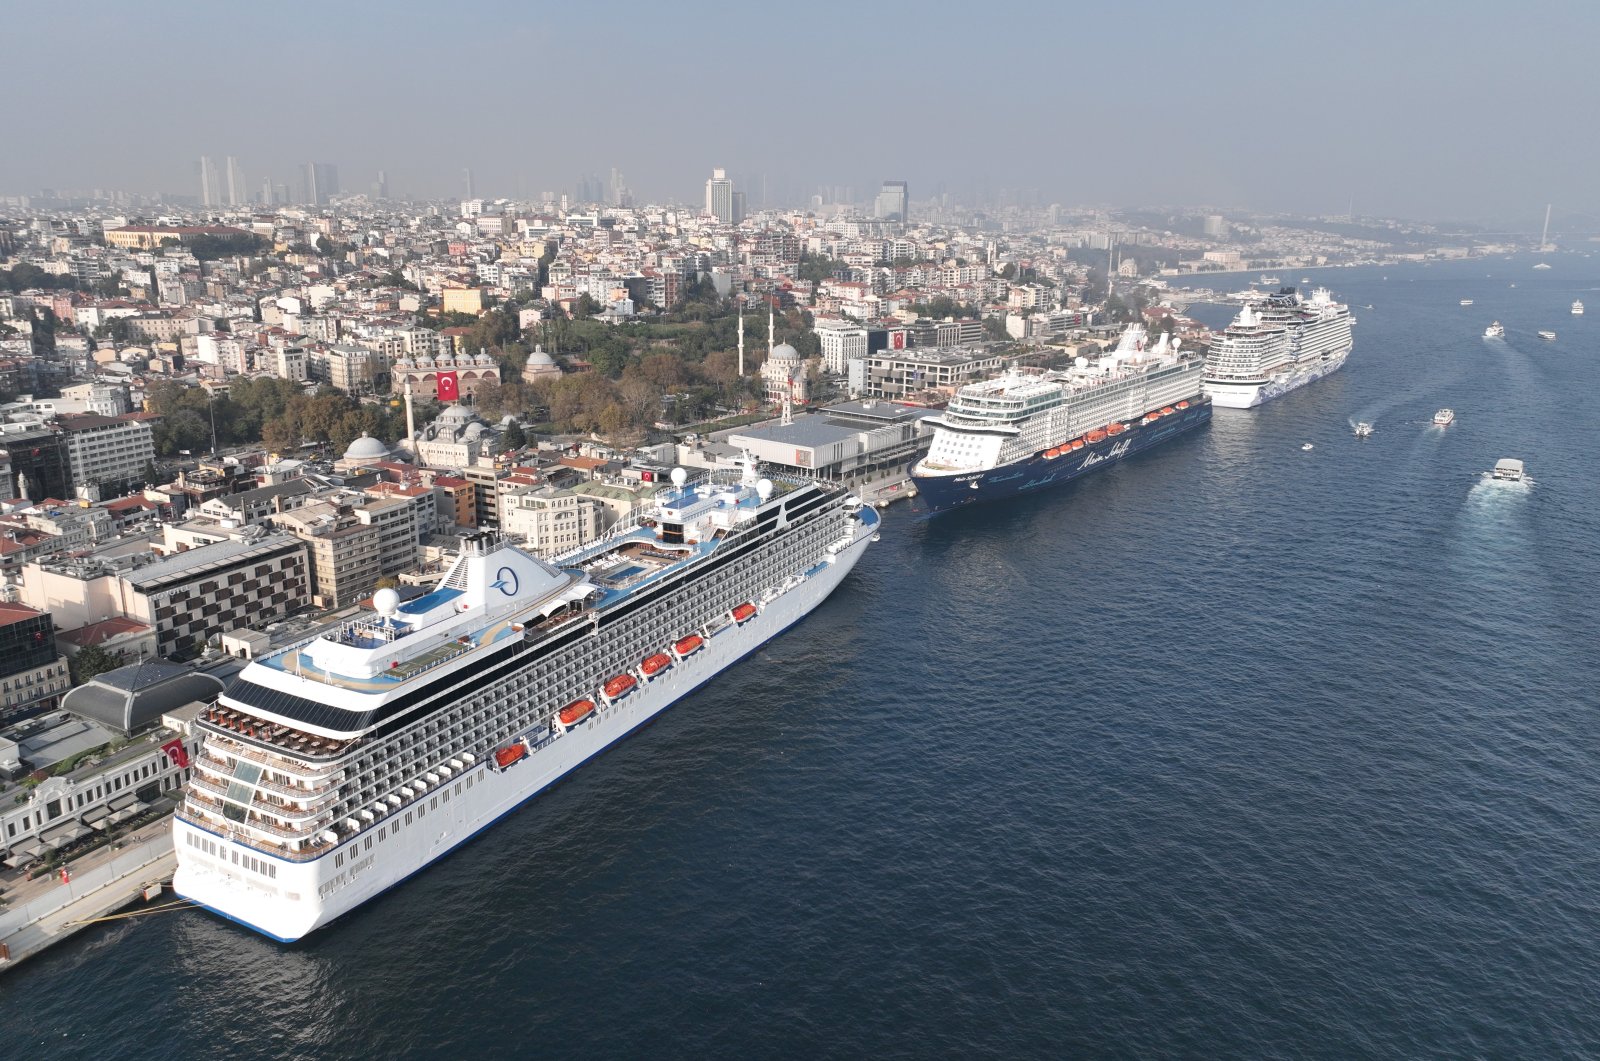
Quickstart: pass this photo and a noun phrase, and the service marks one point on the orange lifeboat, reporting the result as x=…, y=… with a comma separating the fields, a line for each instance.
x=1183, y=405
x=685, y=646
x=1096, y=436
x=619, y=686
x=655, y=664
x=1077, y=444
x=511, y=753
x=1052, y=454
x=1115, y=429
x=576, y=711
x=744, y=612
x=1167, y=410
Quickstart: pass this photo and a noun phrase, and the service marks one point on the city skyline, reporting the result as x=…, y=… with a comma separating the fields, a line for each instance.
x=1376, y=120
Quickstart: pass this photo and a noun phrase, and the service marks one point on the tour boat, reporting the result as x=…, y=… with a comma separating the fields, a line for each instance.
x=1508, y=469
x=1444, y=417
x=1547, y=336
x=1495, y=330
x=1363, y=430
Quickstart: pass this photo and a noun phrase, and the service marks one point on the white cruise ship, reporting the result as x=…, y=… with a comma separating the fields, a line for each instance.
x=339, y=766
x=1277, y=345
x=1577, y=307
x=1026, y=431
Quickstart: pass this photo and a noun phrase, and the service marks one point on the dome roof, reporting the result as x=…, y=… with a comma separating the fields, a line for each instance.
x=785, y=352
x=539, y=357
x=456, y=414
x=366, y=448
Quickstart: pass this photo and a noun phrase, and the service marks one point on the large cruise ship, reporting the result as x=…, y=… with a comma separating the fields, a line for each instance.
x=339, y=766
x=1276, y=345
x=1025, y=431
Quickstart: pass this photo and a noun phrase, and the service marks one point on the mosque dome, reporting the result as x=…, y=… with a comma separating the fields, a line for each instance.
x=539, y=357
x=785, y=352
x=366, y=448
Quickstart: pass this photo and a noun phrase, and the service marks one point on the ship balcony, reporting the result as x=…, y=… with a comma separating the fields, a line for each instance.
x=315, y=774
x=253, y=820
x=219, y=790
x=224, y=769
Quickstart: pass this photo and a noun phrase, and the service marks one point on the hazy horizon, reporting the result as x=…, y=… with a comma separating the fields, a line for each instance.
x=1427, y=111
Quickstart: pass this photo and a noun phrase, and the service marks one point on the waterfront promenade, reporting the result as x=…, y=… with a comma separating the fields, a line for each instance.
x=45, y=910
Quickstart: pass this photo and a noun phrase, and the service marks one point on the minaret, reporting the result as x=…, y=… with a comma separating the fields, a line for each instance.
x=411, y=421
x=741, y=342
x=769, y=331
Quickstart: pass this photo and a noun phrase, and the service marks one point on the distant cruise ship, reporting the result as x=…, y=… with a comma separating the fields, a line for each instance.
x=1026, y=431
x=1275, y=346
x=335, y=768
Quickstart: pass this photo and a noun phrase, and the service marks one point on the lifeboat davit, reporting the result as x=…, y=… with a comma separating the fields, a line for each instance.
x=744, y=612
x=511, y=753
x=1183, y=405
x=655, y=664
x=619, y=686
x=686, y=646
x=1115, y=429
x=1096, y=436
x=1167, y=410
x=576, y=712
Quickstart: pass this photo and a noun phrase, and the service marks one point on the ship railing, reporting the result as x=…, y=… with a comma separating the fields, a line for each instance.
x=305, y=771
x=317, y=801
x=220, y=766
x=218, y=808
x=262, y=808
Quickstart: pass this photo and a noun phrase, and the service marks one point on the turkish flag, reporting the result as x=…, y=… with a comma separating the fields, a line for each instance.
x=175, y=752
x=448, y=390
x=899, y=340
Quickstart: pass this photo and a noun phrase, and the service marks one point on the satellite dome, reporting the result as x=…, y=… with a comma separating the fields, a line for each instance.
x=366, y=448
x=386, y=601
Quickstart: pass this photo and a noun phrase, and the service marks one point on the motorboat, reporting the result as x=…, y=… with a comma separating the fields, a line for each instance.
x=1495, y=330
x=1547, y=336
x=1466, y=302
x=1363, y=430
x=1308, y=447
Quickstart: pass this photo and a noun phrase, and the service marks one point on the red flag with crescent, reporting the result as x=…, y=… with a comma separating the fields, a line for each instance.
x=449, y=390
x=175, y=752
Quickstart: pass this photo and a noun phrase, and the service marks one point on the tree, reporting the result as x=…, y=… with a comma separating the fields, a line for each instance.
x=92, y=660
x=515, y=437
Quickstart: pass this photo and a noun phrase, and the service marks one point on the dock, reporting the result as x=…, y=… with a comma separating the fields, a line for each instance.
x=47, y=910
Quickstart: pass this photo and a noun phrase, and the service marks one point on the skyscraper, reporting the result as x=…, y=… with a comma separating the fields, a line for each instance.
x=719, y=196
x=381, y=189
x=893, y=202
x=208, y=182
x=319, y=182
x=236, y=192
x=468, y=184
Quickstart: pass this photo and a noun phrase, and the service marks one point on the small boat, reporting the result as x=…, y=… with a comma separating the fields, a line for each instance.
x=1363, y=430
x=619, y=686
x=655, y=664
x=1508, y=470
x=575, y=712
x=685, y=647
x=511, y=753
x=1183, y=405
x=1095, y=436
x=1308, y=447
x=1577, y=307
x=1265, y=279
x=1495, y=331
x=1444, y=417
x=1167, y=410
x=1305, y=279
x=1115, y=428
x=1542, y=265
x=744, y=612
x=1077, y=444
x=1466, y=302
x=1547, y=336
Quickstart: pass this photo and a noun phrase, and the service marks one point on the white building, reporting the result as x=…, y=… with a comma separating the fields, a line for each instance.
x=108, y=453
x=550, y=521
x=842, y=342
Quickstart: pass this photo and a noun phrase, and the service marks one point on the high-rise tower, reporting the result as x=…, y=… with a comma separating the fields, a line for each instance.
x=719, y=196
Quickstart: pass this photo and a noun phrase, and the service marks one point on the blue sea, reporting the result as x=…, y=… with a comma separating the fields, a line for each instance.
x=1232, y=750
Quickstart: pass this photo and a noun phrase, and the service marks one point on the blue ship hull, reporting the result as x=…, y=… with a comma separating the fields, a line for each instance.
x=937, y=494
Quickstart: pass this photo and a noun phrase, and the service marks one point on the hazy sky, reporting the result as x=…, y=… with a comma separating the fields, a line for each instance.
x=1462, y=109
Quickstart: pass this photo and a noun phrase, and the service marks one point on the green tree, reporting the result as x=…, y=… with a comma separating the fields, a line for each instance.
x=515, y=437
x=92, y=660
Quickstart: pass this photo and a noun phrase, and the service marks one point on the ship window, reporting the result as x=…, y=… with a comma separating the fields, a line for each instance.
x=272, y=870
x=368, y=845
x=408, y=817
